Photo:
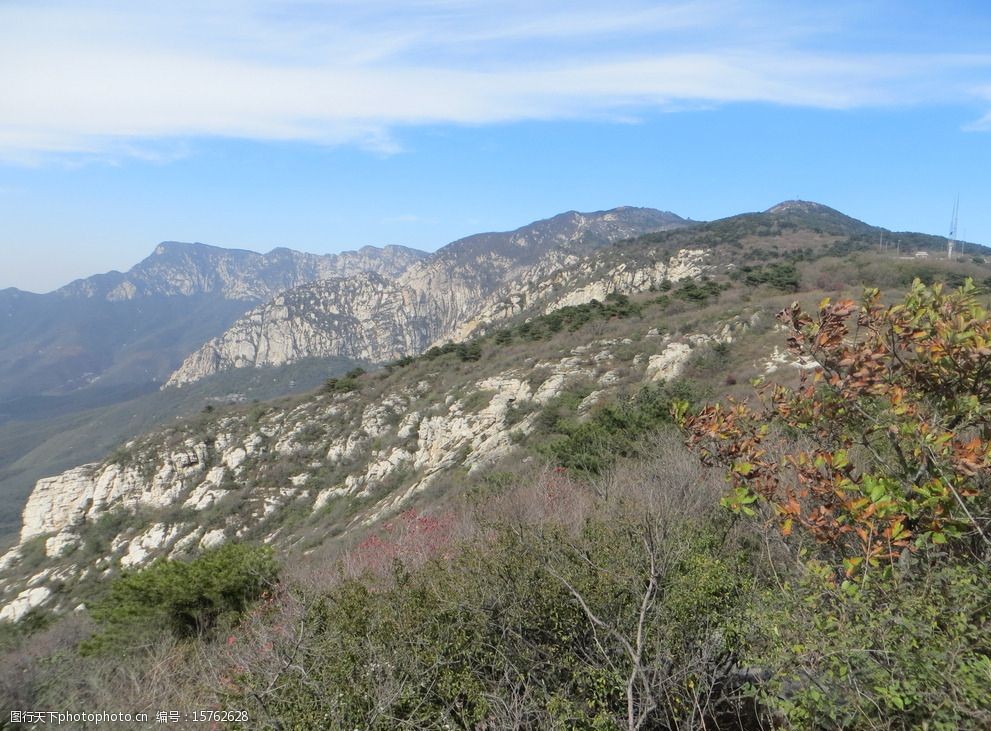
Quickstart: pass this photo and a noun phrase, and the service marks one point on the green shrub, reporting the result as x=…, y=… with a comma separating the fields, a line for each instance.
x=876, y=473
x=469, y=352
x=186, y=599
x=782, y=276
x=613, y=430
x=340, y=385
x=698, y=292
x=907, y=653
x=503, y=337
x=572, y=317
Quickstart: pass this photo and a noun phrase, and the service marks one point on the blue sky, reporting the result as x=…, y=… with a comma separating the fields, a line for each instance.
x=325, y=125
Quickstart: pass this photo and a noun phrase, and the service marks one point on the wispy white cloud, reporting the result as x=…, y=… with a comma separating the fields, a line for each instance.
x=116, y=80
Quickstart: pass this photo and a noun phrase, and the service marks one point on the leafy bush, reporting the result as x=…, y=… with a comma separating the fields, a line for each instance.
x=698, y=292
x=503, y=337
x=894, y=427
x=612, y=431
x=466, y=351
x=469, y=352
x=915, y=653
x=186, y=599
x=572, y=317
x=783, y=276
x=349, y=382
x=876, y=471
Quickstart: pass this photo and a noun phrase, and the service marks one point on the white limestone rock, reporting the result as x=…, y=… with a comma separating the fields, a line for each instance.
x=669, y=363
x=152, y=540
x=782, y=359
x=409, y=424
x=10, y=558
x=207, y=492
x=60, y=543
x=184, y=544
x=212, y=539
x=27, y=600
x=235, y=457
x=325, y=496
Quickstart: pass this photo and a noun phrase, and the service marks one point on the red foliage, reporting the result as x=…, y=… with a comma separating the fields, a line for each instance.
x=411, y=539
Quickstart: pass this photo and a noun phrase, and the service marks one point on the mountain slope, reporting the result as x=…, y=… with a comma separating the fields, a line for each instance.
x=358, y=449
x=443, y=292
x=90, y=429
x=89, y=356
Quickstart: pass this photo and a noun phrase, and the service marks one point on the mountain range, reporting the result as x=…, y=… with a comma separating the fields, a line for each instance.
x=496, y=348
x=79, y=367
x=131, y=329
x=377, y=318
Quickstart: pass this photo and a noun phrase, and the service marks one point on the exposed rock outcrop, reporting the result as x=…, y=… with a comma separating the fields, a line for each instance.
x=365, y=317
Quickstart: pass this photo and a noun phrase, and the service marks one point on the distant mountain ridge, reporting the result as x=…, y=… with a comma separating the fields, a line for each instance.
x=181, y=269
x=378, y=319
x=136, y=326
x=470, y=284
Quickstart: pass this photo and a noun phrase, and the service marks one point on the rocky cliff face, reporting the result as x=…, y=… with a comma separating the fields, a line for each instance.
x=442, y=297
x=365, y=316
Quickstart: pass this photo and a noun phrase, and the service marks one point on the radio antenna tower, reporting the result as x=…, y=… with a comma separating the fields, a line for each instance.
x=953, y=229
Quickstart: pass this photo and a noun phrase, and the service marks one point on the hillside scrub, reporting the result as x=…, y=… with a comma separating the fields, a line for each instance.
x=548, y=604
x=869, y=608
x=567, y=607
x=589, y=446
x=183, y=598
x=892, y=433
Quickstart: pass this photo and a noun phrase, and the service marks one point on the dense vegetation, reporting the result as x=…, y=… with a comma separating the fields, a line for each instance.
x=876, y=471
x=187, y=599
x=589, y=446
